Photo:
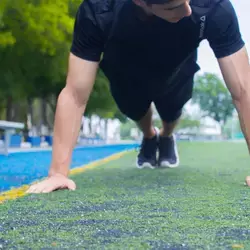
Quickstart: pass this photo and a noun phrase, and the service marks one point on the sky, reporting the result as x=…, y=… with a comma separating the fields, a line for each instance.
x=206, y=58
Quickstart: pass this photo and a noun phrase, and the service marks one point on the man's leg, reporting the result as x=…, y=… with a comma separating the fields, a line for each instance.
x=149, y=145
x=168, y=128
x=168, y=151
x=137, y=107
x=170, y=108
x=146, y=124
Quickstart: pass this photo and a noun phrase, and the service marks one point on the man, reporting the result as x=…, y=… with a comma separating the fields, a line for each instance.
x=148, y=51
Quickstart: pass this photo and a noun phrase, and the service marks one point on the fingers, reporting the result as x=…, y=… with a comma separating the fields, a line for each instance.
x=35, y=189
x=47, y=190
x=52, y=184
x=32, y=189
x=248, y=181
x=71, y=185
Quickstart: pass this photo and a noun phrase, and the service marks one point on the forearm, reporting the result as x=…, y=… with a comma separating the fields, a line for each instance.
x=66, y=130
x=236, y=72
x=243, y=106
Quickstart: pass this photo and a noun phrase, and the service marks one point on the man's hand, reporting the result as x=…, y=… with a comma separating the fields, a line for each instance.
x=248, y=181
x=51, y=184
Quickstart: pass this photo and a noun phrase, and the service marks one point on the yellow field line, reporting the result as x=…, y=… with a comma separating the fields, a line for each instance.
x=19, y=192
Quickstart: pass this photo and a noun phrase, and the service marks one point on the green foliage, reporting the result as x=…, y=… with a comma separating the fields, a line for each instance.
x=186, y=121
x=35, y=38
x=213, y=97
x=43, y=25
x=101, y=101
x=126, y=128
x=6, y=37
x=120, y=116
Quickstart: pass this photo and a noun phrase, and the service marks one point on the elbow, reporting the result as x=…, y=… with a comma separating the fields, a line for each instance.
x=79, y=90
x=76, y=96
x=242, y=95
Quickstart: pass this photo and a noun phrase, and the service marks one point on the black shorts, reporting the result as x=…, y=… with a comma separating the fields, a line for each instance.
x=134, y=101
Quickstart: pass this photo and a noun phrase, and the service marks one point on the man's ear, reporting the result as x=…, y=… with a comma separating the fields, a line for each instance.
x=140, y=3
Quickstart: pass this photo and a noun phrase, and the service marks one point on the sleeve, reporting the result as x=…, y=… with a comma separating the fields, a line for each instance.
x=223, y=32
x=88, y=42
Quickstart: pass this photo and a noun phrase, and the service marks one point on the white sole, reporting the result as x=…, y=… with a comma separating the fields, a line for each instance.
x=167, y=164
x=145, y=165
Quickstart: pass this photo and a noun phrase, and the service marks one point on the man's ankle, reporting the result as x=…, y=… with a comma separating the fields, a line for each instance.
x=150, y=134
x=165, y=133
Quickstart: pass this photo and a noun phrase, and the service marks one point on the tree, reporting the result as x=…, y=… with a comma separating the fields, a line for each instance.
x=6, y=37
x=213, y=97
x=35, y=38
x=125, y=129
x=186, y=121
x=34, y=42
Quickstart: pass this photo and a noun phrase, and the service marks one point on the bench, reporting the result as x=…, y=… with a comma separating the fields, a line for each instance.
x=8, y=127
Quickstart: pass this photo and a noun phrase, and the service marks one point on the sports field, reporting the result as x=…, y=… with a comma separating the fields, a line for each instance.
x=203, y=204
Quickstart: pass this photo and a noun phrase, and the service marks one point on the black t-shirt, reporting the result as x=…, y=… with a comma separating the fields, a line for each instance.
x=130, y=45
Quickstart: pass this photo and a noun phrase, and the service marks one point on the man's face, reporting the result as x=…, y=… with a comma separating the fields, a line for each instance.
x=173, y=11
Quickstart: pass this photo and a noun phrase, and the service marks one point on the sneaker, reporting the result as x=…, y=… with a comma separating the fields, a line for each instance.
x=147, y=154
x=168, y=153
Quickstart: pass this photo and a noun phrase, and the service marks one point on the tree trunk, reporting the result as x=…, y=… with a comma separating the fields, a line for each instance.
x=101, y=127
x=90, y=125
x=30, y=102
x=30, y=110
x=51, y=108
x=15, y=112
x=52, y=102
x=9, y=108
x=43, y=115
x=106, y=129
x=44, y=112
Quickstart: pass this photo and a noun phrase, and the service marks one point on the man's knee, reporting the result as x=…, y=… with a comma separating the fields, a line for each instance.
x=133, y=115
x=132, y=105
x=170, y=116
x=132, y=110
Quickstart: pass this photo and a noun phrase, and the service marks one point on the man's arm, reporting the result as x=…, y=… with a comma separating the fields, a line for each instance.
x=71, y=105
x=86, y=49
x=236, y=73
x=224, y=36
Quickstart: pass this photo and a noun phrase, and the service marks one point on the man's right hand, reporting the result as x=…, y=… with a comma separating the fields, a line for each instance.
x=52, y=183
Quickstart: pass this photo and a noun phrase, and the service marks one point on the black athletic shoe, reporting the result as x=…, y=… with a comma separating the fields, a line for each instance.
x=168, y=153
x=147, y=154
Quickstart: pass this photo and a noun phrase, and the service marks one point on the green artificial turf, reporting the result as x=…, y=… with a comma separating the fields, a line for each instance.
x=203, y=204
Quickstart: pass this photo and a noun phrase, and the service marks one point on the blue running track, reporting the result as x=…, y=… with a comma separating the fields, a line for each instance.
x=22, y=168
